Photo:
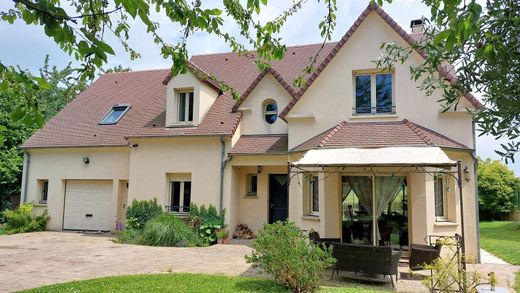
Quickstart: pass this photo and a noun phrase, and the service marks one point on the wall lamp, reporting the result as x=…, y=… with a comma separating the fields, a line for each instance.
x=259, y=169
x=86, y=160
x=466, y=174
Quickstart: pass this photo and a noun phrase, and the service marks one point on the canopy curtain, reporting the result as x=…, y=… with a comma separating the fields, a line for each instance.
x=386, y=188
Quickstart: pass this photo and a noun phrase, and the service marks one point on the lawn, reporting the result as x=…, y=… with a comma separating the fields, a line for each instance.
x=179, y=283
x=517, y=283
x=501, y=239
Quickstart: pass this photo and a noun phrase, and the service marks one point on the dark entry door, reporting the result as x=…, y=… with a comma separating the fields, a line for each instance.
x=278, y=202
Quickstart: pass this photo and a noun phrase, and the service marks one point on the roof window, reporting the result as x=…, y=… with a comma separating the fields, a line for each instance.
x=114, y=115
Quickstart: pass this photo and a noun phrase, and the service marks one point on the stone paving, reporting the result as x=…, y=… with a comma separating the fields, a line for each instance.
x=37, y=259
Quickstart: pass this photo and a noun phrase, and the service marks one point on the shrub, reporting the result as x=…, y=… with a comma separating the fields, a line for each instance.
x=283, y=251
x=21, y=220
x=208, y=233
x=129, y=236
x=206, y=221
x=141, y=212
x=168, y=230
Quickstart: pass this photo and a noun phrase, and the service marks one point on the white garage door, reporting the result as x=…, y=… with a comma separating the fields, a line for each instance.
x=88, y=205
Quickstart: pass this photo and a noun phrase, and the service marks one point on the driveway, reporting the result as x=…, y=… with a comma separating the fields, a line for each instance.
x=36, y=259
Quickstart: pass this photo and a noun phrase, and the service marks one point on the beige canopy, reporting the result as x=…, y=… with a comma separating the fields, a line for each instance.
x=386, y=156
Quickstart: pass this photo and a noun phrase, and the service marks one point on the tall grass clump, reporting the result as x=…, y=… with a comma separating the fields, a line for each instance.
x=168, y=230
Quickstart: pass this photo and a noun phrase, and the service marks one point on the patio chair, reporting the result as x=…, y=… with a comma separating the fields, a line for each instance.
x=421, y=255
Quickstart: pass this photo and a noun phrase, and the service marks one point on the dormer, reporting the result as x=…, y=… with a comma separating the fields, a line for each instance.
x=188, y=99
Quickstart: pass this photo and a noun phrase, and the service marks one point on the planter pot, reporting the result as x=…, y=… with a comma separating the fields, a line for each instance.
x=219, y=241
x=226, y=241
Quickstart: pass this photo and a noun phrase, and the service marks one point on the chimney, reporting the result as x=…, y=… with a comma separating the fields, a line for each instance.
x=417, y=26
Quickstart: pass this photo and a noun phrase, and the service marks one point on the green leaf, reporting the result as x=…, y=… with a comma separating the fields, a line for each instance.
x=105, y=47
x=130, y=6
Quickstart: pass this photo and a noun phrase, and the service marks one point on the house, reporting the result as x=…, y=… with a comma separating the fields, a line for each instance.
x=358, y=153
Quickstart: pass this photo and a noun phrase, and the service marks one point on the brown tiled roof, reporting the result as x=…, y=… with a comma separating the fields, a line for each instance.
x=450, y=76
x=77, y=124
x=378, y=134
x=268, y=144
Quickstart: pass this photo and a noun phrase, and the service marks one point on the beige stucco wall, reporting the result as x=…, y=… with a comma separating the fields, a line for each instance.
x=203, y=97
x=59, y=165
x=330, y=97
x=155, y=159
x=253, y=121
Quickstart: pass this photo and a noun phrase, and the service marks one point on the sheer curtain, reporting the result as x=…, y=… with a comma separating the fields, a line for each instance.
x=387, y=188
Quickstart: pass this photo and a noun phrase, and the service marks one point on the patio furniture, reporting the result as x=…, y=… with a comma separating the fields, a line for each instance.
x=380, y=260
x=421, y=255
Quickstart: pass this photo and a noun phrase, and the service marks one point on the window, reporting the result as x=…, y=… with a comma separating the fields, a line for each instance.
x=185, y=107
x=440, y=197
x=180, y=196
x=374, y=93
x=314, y=195
x=114, y=115
x=270, y=112
x=44, y=190
x=252, y=183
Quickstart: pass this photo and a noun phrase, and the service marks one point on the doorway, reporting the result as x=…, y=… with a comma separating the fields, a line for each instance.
x=278, y=199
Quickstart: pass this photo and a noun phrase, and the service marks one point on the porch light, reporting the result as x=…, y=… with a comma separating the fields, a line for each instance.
x=259, y=169
x=86, y=160
x=466, y=174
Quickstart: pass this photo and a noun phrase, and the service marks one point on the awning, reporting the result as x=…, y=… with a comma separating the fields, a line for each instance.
x=387, y=156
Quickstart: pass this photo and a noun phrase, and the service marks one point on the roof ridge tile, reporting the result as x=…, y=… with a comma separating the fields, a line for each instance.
x=331, y=134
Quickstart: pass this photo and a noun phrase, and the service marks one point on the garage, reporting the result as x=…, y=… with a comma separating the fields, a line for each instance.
x=88, y=205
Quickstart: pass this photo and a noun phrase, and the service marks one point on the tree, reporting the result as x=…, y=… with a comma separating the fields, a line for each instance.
x=498, y=188
x=60, y=90
x=481, y=44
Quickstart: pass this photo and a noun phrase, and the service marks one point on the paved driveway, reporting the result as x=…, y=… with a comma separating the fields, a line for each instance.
x=37, y=259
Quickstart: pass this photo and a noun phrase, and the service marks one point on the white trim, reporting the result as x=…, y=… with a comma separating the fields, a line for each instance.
x=127, y=107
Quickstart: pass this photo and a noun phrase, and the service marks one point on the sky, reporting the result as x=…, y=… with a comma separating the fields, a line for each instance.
x=28, y=45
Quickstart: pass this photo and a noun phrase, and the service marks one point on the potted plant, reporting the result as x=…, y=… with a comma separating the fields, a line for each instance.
x=223, y=236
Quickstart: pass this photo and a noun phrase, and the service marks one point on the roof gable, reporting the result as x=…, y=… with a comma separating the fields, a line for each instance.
x=449, y=74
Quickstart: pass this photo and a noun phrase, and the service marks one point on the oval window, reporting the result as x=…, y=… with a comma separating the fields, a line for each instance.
x=270, y=112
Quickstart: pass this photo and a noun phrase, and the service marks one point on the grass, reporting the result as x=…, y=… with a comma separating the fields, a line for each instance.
x=501, y=239
x=180, y=283
x=517, y=283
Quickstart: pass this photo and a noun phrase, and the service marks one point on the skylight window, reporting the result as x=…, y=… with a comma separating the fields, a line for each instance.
x=114, y=115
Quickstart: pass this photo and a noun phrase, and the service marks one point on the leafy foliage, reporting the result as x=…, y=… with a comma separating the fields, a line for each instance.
x=140, y=212
x=478, y=48
x=21, y=220
x=286, y=253
x=498, y=189
x=129, y=236
x=206, y=221
x=168, y=230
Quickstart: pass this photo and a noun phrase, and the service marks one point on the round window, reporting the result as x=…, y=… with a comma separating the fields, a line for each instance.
x=270, y=112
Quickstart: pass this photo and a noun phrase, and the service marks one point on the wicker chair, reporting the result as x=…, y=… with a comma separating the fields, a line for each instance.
x=366, y=259
x=421, y=255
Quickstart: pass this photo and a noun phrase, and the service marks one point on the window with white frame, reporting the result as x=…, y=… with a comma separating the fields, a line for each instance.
x=180, y=196
x=373, y=93
x=314, y=195
x=440, y=197
x=270, y=111
x=44, y=191
x=185, y=106
x=252, y=184
x=114, y=115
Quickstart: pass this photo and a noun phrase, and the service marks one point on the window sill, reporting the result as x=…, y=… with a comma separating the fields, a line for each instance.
x=445, y=224
x=251, y=196
x=40, y=204
x=181, y=125
x=371, y=116
x=311, y=218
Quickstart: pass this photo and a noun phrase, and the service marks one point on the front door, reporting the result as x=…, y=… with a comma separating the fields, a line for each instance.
x=278, y=202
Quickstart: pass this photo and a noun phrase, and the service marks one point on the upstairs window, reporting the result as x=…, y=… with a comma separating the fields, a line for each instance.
x=114, y=115
x=374, y=93
x=270, y=112
x=185, y=107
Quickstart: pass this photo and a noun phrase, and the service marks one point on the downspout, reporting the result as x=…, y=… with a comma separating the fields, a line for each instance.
x=25, y=175
x=475, y=169
x=223, y=163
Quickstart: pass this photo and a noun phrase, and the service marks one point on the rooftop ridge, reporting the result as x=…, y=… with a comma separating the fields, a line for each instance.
x=418, y=131
x=331, y=134
x=254, y=51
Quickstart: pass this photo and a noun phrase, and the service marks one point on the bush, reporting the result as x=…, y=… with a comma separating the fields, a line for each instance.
x=141, y=212
x=206, y=221
x=129, y=236
x=21, y=220
x=168, y=230
x=286, y=253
